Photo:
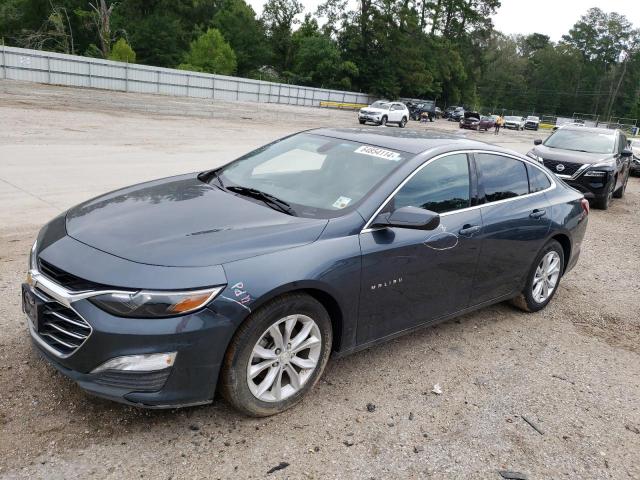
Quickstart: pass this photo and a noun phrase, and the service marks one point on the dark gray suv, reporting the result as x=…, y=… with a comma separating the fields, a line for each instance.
x=595, y=161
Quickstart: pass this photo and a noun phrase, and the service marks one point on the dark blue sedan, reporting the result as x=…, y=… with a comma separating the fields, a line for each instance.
x=246, y=278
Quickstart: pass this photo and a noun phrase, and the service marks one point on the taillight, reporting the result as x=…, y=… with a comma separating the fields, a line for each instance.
x=585, y=206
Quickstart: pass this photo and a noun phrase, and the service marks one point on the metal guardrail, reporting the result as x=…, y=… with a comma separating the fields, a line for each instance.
x=76, y=71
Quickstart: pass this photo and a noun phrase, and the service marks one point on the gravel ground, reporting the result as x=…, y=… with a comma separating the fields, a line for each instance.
x=573, y=370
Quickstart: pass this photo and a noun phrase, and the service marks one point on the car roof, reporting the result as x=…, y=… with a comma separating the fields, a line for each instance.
x=410, y=141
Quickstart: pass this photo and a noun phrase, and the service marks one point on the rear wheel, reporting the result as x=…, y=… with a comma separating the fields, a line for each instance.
x=362, y=122
x=277, y=355
x=543, y=280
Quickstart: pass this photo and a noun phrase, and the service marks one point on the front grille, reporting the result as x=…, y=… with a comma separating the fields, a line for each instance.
x=66, y=279
x=62, y=328
x=570, y=168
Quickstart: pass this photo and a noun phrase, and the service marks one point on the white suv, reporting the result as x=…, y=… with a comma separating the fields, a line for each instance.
x=383, y=112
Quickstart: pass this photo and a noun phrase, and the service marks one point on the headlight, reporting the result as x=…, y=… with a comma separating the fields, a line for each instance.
x=595, y=173
x=154, y=304
x=537, y=158
x=33, y=258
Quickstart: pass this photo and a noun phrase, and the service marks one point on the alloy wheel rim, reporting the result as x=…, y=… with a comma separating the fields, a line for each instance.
x=284, y=358
x=545, y=278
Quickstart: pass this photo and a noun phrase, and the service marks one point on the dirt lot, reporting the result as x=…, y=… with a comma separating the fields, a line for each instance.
x=573, y=369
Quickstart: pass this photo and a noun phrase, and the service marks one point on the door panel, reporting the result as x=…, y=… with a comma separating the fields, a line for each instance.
x=514, y=231
x=410, y=277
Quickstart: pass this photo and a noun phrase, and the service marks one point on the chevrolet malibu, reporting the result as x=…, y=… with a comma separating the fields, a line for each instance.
x=244, y=279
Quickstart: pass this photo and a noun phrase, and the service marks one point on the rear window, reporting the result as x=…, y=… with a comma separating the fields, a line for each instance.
x=538, y=181
x=502, y=177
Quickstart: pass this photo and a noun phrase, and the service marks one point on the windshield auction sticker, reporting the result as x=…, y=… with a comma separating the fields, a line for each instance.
x=378, y=152
x=341, y=202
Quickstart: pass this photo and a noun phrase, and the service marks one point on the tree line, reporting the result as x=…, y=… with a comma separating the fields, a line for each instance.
x=446, y=50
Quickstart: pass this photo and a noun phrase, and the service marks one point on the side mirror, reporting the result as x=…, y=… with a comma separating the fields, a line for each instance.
x=537, y=141
x=627, y=152
x=408, y=217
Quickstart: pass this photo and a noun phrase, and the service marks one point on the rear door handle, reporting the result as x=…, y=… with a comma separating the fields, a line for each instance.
x=538, y=213
x=469, y=229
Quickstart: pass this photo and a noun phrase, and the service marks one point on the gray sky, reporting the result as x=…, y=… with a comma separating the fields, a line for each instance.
x=551, y=17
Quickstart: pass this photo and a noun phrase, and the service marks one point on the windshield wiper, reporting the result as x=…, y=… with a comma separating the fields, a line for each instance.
x=216, y=175
x=267, y=198
x=208, y=175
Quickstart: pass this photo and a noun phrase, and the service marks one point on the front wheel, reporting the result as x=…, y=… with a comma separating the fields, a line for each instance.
x=362, y=122
x=543, y=280
x=383, y=122
x=603, y=203
x=403, y=122
x=277, y=355
x=620, y=192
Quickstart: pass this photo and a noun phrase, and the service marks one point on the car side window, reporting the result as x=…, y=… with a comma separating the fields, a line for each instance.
x=502, y=177
x=442, y=186
x=538, y=181
x=623, y=143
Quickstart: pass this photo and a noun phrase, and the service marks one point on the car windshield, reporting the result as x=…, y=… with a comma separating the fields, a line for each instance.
x=318, y=176
x=512, y=119
x=582, y=141
x=533, y=119
x=379, y=104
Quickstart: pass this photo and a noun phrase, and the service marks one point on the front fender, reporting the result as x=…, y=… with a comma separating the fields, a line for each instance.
x=331, y=266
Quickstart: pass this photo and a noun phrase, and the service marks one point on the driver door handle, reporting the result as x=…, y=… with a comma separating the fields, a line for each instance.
x=538, y=213
x=469, y=229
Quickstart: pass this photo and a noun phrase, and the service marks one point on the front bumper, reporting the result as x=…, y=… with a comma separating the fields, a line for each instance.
x=369, y=118
x=591, y=187
x=531, y=126
x=200, y=340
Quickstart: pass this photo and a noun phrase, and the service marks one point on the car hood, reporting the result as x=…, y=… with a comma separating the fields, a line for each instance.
x=183, y=222
x=560, y=155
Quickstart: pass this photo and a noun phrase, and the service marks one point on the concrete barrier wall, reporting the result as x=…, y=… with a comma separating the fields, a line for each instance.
x=76, y=71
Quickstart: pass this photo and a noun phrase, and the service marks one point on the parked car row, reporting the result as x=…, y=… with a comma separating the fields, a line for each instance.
x=594, y=161
x=475, y=121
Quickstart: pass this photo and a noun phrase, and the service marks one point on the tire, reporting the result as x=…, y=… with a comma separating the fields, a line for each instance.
x=300, y=311
x=403, y=122
x=362, y=122
x=528, y=300
x=603, y=203
x=620, y=192
x=383, y=121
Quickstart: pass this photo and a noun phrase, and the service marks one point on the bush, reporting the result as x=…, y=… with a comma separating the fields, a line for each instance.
x=122, y=52
x=210, y=53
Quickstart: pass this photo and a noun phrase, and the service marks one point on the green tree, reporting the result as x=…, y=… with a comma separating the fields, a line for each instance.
x=121, y=51
x=210, y=53
x=279, y=16
x=238, y=24
x=317, y=60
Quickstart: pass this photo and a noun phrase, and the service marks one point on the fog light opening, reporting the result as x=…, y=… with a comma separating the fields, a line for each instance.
x=139, y=363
